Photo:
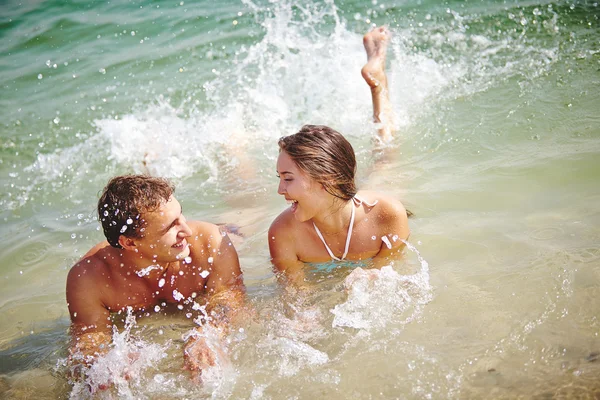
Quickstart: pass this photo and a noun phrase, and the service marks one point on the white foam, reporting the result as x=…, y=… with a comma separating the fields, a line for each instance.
x=122, y=368
x=295, y=354
x=377, y=298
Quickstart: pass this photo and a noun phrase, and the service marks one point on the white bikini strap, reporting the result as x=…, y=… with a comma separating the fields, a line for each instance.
x=348, y=237
x=358, y=201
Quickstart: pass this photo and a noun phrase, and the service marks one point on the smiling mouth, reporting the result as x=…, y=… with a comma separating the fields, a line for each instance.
x=294, y=205
x=180, y=245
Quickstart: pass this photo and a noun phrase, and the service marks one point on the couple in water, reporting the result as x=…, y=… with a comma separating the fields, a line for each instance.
x=155, y=260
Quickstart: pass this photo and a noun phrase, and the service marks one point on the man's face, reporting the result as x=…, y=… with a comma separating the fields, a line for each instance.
x=165, y=233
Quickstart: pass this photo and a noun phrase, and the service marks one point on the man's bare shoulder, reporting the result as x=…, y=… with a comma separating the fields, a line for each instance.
x=203, y=233
x=91, y=272
x=98, y=257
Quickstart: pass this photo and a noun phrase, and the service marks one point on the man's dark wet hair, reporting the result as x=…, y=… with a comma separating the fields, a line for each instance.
x=125, y=200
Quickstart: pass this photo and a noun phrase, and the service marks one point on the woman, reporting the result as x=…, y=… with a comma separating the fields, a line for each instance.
x=328, y=219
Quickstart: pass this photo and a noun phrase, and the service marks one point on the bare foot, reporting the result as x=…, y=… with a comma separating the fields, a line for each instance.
x=376, y=43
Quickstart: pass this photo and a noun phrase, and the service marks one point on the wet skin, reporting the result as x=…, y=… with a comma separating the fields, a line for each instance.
x=293, y=240
x=193, y=259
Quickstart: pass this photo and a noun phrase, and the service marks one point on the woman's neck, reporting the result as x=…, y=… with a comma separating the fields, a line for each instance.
x=336, y=219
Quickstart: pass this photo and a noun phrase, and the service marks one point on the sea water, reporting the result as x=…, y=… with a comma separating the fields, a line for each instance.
x=496, y=154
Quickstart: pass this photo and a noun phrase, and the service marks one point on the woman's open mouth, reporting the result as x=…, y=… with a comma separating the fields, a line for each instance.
x=294, y=205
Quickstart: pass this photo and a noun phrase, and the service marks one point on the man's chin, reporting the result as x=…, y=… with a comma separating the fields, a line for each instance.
x=183, y=254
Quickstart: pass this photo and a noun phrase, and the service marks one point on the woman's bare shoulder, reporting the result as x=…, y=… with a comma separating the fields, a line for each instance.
x=383, y=200
x=285, y=222
x=387, y=207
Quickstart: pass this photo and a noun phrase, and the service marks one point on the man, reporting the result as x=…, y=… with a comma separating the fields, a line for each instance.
x=152, y=256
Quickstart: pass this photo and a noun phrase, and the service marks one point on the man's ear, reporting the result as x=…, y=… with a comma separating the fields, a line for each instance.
x=127, y=243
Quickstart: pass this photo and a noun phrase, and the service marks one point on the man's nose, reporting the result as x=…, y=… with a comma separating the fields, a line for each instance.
x=186, y=231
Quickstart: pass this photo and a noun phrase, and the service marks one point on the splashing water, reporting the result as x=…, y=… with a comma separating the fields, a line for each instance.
x=304, y=69
x=295, y=355
x=122, y=368
x=378, y=297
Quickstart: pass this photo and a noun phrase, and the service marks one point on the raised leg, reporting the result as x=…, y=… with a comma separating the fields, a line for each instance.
x=376, y=43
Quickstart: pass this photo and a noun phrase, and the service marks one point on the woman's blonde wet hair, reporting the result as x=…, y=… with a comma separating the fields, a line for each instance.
x=324, y=155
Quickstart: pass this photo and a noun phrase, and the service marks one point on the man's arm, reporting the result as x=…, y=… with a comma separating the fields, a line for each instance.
x=225, y=302
x=225, y=285
x=90, y=320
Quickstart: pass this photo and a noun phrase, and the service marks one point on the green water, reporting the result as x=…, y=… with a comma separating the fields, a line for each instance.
x=496, y=154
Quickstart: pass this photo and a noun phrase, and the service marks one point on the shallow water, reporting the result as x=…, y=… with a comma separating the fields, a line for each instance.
x=496, y=155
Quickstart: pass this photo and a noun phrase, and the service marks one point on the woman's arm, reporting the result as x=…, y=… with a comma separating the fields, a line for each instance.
x=282, y=247
x=393, y=220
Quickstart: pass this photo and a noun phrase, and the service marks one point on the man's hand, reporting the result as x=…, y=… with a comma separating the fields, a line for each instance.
x=202, y=351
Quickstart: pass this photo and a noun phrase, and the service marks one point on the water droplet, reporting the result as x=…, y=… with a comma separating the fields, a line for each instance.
x=210, y=260
x=161, y=283
x=386, y=241
x=204, y=274
x=124, y=228
x=129, y=221
x=156, y=308
x=40, y=76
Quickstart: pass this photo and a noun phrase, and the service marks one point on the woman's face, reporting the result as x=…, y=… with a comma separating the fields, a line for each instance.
x=306, y=196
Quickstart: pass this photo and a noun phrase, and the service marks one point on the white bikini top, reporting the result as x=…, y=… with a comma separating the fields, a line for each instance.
x=358, y=202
